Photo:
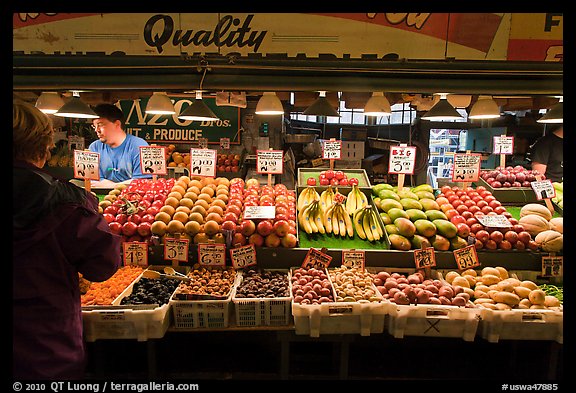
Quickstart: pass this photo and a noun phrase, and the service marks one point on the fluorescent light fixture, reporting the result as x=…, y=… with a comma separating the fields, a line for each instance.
x=49, y=102
x=75, y=107
x=269, y=104
x=554, y=115
x=442, y=111
x=160, y=104
x=484, y=108
x=198, y=110
x=321, y=107
x=377, y=105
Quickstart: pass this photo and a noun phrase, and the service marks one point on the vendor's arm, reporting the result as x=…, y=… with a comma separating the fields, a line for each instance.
x=102, y=183
x=541, y=168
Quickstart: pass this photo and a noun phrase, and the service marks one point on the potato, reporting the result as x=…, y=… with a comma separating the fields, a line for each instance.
x=490, y=271
x=471, y=280
x=491, y=306
x=484, y=300
x=450, y=276
x=503, y=272
x=469, y=291
x=551, y=301
x=508, y=298
x=524, y=303
x=503, y=306
x=514, y=281
x=489, y=279
x=521, y=291
x=470, y=272
x=491, y=293
x=481, y=287
x=537, y=296
x=481, y=294
x=459, y=301
x=529, y=284
x=461, y=281
x=505, y=286
x=537, y=307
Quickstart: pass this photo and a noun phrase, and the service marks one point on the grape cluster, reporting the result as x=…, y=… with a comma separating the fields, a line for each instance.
x=151, y=291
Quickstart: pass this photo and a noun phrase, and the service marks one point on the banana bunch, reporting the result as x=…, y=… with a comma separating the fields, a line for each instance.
x=307, y=195
x=310, y=218
x=338, y=221
x=327, y=198
x=355, y=200
x=366, y=224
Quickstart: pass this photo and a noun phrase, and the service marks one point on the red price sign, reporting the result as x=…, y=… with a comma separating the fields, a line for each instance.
x=402, y=160
x=176, y=249
x=212, y=254
x=466, y=257
x=135, y=253
x=153, y=160
x=316, y=259
x=243, y=256
x=86, y=165
x=424, y=257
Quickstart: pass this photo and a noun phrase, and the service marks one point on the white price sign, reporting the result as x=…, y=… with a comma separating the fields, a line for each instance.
x=135, y=253
x=494, y=221
x=86, y=165
x=203, y=162
x=224, y=143
x=466, y=167
x=270, y=161
x=153, y=160
x=243, y=256
x=544, y=189
x=402, y=160
x=503, y=145
x=212, y=254
x=331, y=150
x=176, y=249
x=353, y=259
x=259, y=212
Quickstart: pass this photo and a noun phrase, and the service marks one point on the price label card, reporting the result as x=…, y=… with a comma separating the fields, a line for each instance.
x=259, y=212
x=212, y=254
x=153, y=160
x=466, y=167
x=316, y=259
x=353, y=258
x=466, y=257
x=503, y=145
x=494, y=221
x=544, y=189
x=402, y=160
x=243, y=256
x=331, y=150
x=203, y=143
x=270, y=161
x=552, y=265
x=75, y=142
x=86, y=165
x=224, y=143
x=424, y=257
x=176, y=249
x=203, y=162
x=135, y=253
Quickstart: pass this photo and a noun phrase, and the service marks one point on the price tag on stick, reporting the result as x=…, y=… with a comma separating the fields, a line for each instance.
x=212, y=254
x=466, y=168
x=203, y=162
x=424, y=258
x=243, y=256
x=316, y=259
x=176, y=250
x=552, y=265
x=353, y=258
x=225, y=143
x=544, y=190
x=331, y=150
x=402, y=161
x=503, y=145
x=86, y=166
x=135, y=253
x=270, y=162
x=153, y=160
x=466, y=257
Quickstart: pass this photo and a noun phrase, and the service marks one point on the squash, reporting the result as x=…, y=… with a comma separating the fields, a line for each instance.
x=557, y=224
x=550, y=241
x=534, y=224
x=536, y=208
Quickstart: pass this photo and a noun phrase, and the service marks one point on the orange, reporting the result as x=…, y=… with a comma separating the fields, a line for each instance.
x=175, y=226
x=199, y=209
x=158, y=228
x=182, y=208
x=205, y=197
x=215, y=209
x=222, y=197
x=163, y=217
x=180, y=216
x=196, y=217
x=207, y=190
x=172, y=201
x=168, y=209
x=192, y=228
x=191, y=195
x=203, y=203
x=195, y=183
x=201, y=237
x=214, y=217
x=178, y=188
x=218, y=202
x=186, y=202
x=211, y=228
x=174, y=194
x=194, y=189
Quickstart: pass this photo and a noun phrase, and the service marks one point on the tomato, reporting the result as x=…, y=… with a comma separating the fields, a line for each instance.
x=144, y=228
x=339, y=175
x=121, y=218
x=112, y=209
x=329, y=174
x=109, y=217
x=129, y=228
x=116, y=227
x=353, y=181
x=311, y=181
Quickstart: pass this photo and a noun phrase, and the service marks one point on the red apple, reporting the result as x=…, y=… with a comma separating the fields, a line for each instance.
x=289, y=241
x=109, y=217
x=256, y=239
x=229, y=225
x=519, y=245
x=525, y=237
x=497, y=236
x=247, y=227
x=458, y=220
x=339, y=175
x=239, y=240
x=353, y=181
x=474, y=228
x=329, y=174
x=490, y=244
x=115, y=227
x=281, y=228
x=511, y=236
x=463, y=230
x=144, y=228
x=478, y=244
x=129, y=228
x=483, y=236
x=264, y=227
x=272, y=240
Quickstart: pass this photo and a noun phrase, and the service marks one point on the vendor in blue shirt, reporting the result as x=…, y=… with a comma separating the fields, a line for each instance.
x=119, y=151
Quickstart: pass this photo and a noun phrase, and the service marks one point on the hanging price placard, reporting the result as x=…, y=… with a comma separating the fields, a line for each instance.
x=503, y=145
x=243, y=256
x=202, y=143
x=402, y=160
x=353, y=259
x=176, y=249
x=466, y=167
x=224, y=143
x=494, y=221
x=331, y=150
x=75, y=142
x=135, y=253
x=212, y=254
x=466, y=257
x=552, y=265
x=316, y=259
x=544, y=189
x=259, y=212
x=153, y=160
x=203, y=162
x=270, y=161
x=86, y=165
x=424, y=257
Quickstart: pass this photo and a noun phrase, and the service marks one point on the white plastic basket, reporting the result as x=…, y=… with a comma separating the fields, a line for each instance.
x=263, y=311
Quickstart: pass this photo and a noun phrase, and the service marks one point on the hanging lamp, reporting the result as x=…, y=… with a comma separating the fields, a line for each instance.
x=442, y=111
x=75, y=107
x=484, y=108
x=198, y=110
x=269, y=104
x=160, y=104
x=377, y=105
x=49, y=102
x=321, y=107
x=554, y=115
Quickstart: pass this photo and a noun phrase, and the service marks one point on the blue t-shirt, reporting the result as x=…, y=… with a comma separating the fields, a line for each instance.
x=120, y=163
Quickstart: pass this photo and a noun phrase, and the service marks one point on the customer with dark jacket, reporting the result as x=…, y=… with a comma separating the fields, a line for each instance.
x=57, y=233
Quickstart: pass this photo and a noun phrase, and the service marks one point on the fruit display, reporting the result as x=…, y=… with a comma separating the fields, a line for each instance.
x=228, y=162
x=415, y=289
x=559, y=198
x=311, y=286
x=331, y=177
x=353, y=285
x=207, y=282
x=496, y=289
x=130, y=210
x=546, y=230
x=61, y=157
x=508, y=177
x=176, y=159
x=263, y=284
x=151, y=291
x=105, y=292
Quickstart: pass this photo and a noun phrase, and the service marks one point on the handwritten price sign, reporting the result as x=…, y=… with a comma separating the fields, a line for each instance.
x=552, y=265
x=466, y=257
x=402, y=160
x=316, y=259
x=153, y=159
x=224, y=143
x=466, y=167
x=176, y=249
x=353, y=259
x=259, y=212
x=424, y=257
x=503, y=145
x=243, y=256
x=86, y=165
x=212, y=254
x=544, y=189
x=270, y=161
x=494, y=221
x=203, y=162
x=331, y=150
x=135, y=253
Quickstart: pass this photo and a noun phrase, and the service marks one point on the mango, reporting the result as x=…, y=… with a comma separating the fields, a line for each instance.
x=440, y=243
x=405, y=227
x=409, y=203
x=425, y=194
x=381, y=186
x=387, y=204
x=416, y=214
x=418, y=241
x=391, y=229
x=423, y=187
x=388, y=194
x=457, y=242
x=436, y=215
x=399, y=242
x=425, y=228
x=394, y=213
x=385, y=218
x=406, y=193
x=429, y=204
x=445, y=228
